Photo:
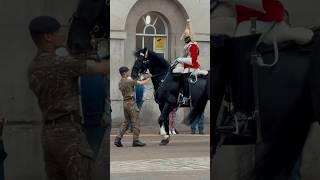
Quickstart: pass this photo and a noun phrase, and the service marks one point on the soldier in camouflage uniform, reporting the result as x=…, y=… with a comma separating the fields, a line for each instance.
x=130, y=108
x=54, y=80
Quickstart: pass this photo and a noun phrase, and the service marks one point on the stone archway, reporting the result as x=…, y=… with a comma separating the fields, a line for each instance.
x=172, y=11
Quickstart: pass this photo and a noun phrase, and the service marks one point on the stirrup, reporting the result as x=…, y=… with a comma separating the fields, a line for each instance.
x=180, y=98
x=235, y=124
x=185, y=102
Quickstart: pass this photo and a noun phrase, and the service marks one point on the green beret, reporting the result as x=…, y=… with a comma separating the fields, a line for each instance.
x=123, y=69
x=44, y=24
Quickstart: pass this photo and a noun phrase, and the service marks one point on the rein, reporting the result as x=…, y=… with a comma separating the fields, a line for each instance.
x=164, y=79
x=161, y=82
x=156, y=75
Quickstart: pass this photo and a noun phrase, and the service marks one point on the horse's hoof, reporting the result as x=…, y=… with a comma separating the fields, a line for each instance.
x=164, y=142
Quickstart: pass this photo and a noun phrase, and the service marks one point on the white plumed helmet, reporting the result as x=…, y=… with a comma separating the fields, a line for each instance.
x=188, y=31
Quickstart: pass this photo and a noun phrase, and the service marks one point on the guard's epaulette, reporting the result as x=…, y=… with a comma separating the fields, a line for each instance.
x=187, y=46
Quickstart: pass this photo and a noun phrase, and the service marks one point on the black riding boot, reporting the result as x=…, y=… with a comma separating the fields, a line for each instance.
x=186, y=92
x=241, y=79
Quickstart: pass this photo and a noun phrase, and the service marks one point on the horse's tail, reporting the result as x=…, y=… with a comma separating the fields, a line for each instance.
x=197, y=109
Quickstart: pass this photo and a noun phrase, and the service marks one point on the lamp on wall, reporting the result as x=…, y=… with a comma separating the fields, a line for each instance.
x=148, y=19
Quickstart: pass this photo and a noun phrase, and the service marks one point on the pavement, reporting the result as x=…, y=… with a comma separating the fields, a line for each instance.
x=185, y=157
x=236, y=162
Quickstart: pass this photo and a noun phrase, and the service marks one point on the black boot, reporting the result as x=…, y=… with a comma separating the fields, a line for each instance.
x=117, y=142
x=138, y=143
x=185, y=102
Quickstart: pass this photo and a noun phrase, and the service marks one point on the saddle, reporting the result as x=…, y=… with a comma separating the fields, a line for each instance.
x=286, y=46
x=179, y=69
x=235, y=122
x=237, y=110
x=239, y=66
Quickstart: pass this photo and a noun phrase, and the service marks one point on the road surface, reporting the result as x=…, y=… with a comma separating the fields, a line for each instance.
x=185, y=157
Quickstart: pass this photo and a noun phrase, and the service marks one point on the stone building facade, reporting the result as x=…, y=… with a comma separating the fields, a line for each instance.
x=130, y=31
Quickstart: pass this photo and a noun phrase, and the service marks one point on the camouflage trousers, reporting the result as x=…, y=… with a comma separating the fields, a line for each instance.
x=67, y=154
x=131, y=114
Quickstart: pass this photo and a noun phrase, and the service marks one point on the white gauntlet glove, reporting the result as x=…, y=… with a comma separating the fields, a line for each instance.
x=185, y=60
x=179, y=59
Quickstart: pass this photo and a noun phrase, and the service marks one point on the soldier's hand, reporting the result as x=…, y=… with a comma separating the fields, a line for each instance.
x=143, y=82
x=179, y=59
x=145, y=76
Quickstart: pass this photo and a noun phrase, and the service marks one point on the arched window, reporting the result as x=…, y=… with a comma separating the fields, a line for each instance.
x=152, y=33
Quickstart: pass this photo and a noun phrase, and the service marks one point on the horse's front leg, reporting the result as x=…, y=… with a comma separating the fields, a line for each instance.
x=164, y=123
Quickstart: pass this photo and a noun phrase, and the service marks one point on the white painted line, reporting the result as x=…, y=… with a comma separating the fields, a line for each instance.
x=157, y=135
x=161, y=165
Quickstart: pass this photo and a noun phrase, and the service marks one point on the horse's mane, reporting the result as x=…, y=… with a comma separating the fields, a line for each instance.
x=158, y=60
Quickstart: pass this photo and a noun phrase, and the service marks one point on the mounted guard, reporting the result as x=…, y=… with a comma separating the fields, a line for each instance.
x=188, y=63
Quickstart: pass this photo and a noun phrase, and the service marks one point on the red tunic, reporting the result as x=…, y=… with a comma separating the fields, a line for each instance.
x=274, y=11
x=193, y=53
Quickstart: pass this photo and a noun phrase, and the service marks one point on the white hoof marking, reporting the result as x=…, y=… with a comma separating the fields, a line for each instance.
x=162, y=131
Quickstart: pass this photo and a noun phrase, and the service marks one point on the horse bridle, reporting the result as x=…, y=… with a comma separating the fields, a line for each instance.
x=146, y=62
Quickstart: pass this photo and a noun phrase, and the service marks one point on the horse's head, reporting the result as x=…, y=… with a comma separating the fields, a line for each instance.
x=141, y=63
x=88, y=27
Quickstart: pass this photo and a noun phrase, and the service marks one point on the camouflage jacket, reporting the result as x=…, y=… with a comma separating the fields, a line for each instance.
x=126, y=86
x=54, y=80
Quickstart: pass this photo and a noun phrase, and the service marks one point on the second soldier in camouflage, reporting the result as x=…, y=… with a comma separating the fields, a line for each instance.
x=131, y=111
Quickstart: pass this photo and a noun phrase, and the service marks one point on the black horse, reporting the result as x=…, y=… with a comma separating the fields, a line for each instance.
x=89, y=22
x=286, y=96
x=167, y=87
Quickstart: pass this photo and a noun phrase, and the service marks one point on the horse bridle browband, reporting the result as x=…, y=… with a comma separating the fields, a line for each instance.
x=145, y=61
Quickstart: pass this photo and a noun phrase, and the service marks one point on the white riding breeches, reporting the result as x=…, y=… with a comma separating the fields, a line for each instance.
x=282, y=31
x=180, y=69
x=195, y=71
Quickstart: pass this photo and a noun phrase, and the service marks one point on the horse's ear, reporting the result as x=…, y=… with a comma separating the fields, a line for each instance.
x=136, y=53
